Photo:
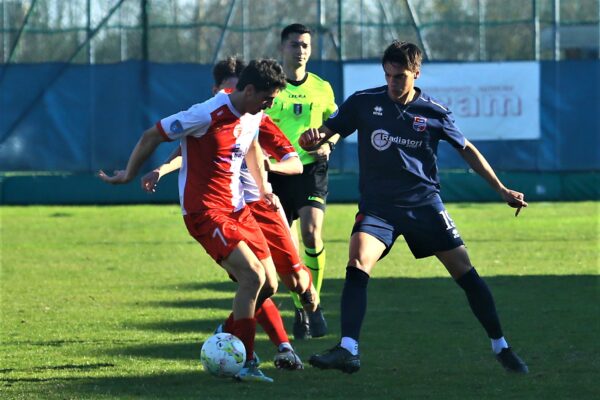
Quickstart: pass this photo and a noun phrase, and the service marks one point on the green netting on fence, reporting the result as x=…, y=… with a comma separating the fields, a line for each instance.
x=106, y=31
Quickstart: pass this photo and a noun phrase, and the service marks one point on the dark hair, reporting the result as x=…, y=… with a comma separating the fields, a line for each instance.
x=294, y=28
x=231, y=67
x=406, y=54
x=263, y=74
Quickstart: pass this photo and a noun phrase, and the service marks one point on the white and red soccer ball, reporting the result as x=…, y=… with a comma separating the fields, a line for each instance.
x=223, y=355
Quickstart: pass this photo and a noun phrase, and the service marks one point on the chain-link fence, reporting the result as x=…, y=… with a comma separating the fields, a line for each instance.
x=201, y=31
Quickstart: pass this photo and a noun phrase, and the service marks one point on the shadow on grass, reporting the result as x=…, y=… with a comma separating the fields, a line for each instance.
x=419, y=340
x=184, y=385
x=187, y=350
x=81, y=367
x=227, y=286
x=437, y=301
x=221, y=304
x=331, y=287
x=182, y=326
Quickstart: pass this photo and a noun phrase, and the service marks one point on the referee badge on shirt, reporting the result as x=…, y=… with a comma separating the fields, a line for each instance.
x=420, y=124
x=297, y=109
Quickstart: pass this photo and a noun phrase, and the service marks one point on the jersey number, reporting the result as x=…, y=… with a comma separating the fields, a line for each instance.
x=217, y=232
x=449, y=223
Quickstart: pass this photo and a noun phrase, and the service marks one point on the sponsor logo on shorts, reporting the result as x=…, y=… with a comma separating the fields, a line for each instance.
x=455, y=233
x=378, y=110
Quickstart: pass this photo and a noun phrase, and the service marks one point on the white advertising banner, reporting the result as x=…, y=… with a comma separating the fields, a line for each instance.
x=490, y=101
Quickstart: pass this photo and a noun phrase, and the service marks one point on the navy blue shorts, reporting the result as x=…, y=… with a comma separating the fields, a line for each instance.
x=427, y=229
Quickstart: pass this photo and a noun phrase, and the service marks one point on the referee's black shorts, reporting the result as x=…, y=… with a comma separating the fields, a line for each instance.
x=306, y=189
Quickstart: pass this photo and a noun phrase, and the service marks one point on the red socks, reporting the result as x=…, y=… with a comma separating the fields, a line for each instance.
x=245, y=330
x=269, y=318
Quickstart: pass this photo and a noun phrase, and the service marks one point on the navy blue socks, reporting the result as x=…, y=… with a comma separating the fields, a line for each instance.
x=354, y=302
x=481, y=302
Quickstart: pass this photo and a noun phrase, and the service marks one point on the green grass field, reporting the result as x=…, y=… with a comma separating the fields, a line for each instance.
x=115, y=302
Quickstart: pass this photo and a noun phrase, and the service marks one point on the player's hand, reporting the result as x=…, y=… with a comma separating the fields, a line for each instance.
x=514, y=199
x=310, y=138
x=272, y=200
x=322, y=152
x=309, y=299
x=120, y=176
x=149, y=181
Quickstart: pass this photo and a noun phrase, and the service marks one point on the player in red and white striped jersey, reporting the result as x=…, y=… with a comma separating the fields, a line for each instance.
x=272, y=223
x=216, y=137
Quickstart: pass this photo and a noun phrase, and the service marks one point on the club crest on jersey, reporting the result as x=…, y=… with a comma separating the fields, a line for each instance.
x=378, y=110
x=420, y=124
x=297, y=109
x=176, y=126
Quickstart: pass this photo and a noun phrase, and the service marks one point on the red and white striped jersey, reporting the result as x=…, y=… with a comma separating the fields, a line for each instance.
x=214, y=141
x=275, y=144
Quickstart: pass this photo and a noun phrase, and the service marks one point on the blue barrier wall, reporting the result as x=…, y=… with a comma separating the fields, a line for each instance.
x=570, y=129
x=80, y=118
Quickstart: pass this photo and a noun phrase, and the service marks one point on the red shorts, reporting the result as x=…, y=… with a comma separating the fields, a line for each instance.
x=220, y=231
x=275, y=228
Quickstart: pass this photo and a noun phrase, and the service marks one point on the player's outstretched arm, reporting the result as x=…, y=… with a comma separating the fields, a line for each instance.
x=173, y=163
x=143, y=149
x=477, y=161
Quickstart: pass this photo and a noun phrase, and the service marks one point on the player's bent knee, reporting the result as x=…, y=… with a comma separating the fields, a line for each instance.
x=271, y=285
x=268, y=291
x=355, y=263
x=252, y=278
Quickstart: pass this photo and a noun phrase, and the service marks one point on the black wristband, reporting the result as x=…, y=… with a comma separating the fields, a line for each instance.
x=331, y=145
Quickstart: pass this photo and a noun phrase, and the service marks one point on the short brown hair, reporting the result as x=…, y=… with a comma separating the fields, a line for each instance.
x=406, y=54
x=263, y=74
x=230, y=67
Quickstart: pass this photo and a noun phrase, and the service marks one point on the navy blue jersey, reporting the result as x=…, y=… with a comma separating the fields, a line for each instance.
x=397, y=145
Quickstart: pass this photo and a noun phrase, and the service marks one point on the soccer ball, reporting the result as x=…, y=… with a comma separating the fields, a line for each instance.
x=223, y=355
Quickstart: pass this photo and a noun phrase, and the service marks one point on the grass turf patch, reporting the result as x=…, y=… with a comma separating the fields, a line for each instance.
x=114, y=302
